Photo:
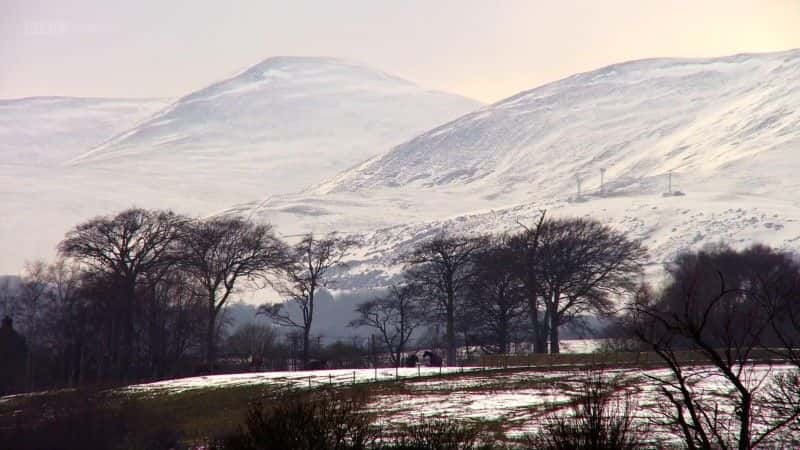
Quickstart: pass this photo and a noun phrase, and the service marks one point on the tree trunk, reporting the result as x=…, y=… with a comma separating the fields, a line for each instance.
x=210, y=332
x=504, y=339
x=744, y=422
x=539, y=328
x=306, y=343
x=554, y=339
x=126, y=357
x=451, y=331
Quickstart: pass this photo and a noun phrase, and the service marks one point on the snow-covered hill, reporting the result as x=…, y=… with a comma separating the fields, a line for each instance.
x=281, y=125
x=701, y=118
x=52, y=130
x=728, y=129
x=276, y=127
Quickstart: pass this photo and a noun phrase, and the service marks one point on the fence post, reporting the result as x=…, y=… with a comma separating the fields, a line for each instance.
x=309, y=381
x=330, y=379
x=354, y=377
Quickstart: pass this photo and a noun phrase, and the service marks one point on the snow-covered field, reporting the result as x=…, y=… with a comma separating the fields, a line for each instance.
x=516, y=400
x=296, y=379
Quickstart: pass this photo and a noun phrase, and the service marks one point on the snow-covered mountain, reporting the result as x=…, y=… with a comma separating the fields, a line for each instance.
x=700, y=118
x=281, y=125
x=52, y=130
x=278, y=126
x=727, y=128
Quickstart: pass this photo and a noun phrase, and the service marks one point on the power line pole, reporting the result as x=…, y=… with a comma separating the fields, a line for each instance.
x=669, y=183
x=602, y=180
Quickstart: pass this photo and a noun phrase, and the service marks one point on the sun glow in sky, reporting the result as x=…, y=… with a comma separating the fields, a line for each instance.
x=481, y=49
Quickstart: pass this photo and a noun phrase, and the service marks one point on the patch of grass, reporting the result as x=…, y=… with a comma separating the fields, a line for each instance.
x=181, y=417
x=198, y=413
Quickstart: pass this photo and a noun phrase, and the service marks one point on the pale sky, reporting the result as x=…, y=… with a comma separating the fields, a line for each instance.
x=486, y=50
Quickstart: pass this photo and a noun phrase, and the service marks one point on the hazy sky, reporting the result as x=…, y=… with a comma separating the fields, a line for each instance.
x=487, y=49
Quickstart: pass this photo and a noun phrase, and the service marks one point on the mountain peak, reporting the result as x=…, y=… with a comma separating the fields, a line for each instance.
x=298, y=119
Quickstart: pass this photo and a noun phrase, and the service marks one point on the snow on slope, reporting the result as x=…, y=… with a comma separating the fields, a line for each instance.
x=281, y=125
x=704, y=118
x=52, y=130
x=728, y=127
x=276, y=127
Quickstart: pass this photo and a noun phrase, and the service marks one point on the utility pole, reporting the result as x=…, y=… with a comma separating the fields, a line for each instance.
x=578, y=178
x=669, y=183
x=602, y=180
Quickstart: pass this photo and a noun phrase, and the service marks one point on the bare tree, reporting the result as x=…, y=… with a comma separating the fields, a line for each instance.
x=581, y=266
x=309, y=268
x=125, y=247
x=8, y=293
x=65, y=303
x=32, y=301
x=223, y=253
x=715, y=307
x=524, y=248
x=443, y=266
x=253, y=340
x=395, y=316
x=495, y=297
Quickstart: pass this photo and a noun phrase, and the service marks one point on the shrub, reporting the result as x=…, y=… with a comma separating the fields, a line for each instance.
x=597, y=422
x=323, y=420
x=440, y=434
x=82, y=420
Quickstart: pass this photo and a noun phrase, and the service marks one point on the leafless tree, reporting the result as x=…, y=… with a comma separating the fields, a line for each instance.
x=32, y=301
x=125, y=247
x=253, y=340
x=62, y=316
x=8, y=294
x=395, y=316
x=715, y=308
x=221, y=254
x=495, y=297
x=443, y=266
x=309, y=268
x=524, y=248
x=582, y=266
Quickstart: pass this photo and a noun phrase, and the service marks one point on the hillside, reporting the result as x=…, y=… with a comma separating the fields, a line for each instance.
x=276, y=127
x=52, y=130
x=728, y=129
x=706, y=118
x=282, y=124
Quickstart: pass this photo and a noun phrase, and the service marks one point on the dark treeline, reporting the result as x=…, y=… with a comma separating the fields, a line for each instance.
x=134, y=296
x=141, y=295
x=490, y=292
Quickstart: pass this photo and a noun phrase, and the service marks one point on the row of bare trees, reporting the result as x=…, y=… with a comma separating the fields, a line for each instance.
x=132, y=295
x=164, y=256
x=156, y=282
x=491, y=291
